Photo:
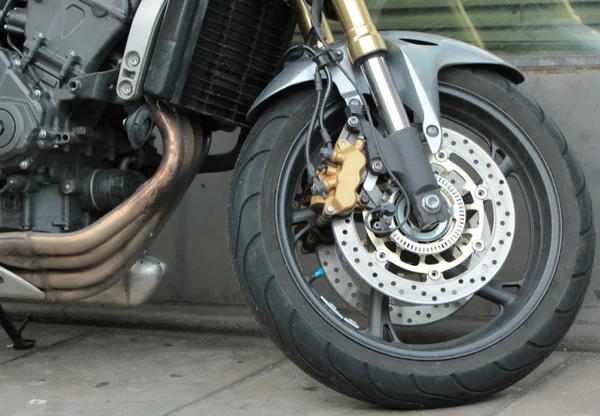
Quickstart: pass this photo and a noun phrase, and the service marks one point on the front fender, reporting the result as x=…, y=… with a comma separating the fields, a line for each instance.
x=415, y=61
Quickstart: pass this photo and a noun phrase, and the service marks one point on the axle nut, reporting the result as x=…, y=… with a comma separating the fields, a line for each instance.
x=432, y=203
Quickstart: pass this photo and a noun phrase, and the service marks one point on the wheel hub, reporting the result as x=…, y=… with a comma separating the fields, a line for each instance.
x=452, y=261
x=411, y=231
x=442, y=236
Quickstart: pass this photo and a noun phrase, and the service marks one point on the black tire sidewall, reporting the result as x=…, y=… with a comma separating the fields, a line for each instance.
x=541, y=138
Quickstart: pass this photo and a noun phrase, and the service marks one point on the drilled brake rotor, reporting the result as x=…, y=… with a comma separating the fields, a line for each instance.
x=357, y=294
x=431, y=273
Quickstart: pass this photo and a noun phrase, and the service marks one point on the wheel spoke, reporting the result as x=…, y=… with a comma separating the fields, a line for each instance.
x=439, y=258
x=380, y=322
x=470, y=212
x=506, y=167
x=516, y=283
x=305, y=217
x=494, y=292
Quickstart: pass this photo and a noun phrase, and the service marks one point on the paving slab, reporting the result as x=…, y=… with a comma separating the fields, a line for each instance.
x=47, y=336
x=573, y=391
x=286, y=390
x=129, y=372
x=95, y=371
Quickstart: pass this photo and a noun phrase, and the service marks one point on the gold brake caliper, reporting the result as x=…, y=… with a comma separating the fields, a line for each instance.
x=343, y=179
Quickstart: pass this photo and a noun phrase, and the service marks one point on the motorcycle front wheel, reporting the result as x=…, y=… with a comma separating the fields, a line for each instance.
x=501, y=298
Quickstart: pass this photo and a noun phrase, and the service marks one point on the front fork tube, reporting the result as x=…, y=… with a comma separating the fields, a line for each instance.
x=402, y=151
x=302, y=14
x=385, y=94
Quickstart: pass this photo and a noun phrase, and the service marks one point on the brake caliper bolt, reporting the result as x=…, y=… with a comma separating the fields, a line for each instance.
x=364, y=199
x=330, y=209
x=432, y=131
x=431, y=203
x=25, y=164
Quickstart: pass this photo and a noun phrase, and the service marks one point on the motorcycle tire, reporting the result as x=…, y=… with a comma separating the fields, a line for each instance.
x=340, y=357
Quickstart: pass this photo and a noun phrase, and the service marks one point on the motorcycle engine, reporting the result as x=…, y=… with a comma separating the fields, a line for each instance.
x=59, y=154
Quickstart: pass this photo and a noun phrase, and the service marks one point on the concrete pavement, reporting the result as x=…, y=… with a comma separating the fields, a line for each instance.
x=79, y=370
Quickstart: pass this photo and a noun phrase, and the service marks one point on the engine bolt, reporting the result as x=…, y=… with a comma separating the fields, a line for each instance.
x=377, y=166
x=353, y=121
x=354, y=101
x=25, y=164
x=43, y=144
x=37, y=94
x=17, y=63
x=431, y=203
x=42, y=134
x=330, y=209
x=68, y=186
x=432, y=131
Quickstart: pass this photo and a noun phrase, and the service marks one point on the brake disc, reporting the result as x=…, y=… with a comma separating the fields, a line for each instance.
x=490, y=201
x=357, y=294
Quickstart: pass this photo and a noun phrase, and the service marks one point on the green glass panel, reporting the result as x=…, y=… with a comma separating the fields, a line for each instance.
x=505, y=27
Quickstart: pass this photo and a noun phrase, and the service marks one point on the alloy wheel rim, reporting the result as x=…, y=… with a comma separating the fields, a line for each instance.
x=531, y=292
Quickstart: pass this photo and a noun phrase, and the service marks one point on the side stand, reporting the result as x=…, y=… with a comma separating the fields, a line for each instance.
x=15, y=334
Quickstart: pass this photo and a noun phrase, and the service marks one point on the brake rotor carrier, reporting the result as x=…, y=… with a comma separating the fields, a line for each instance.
x=421, y=280
x=356, y=293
